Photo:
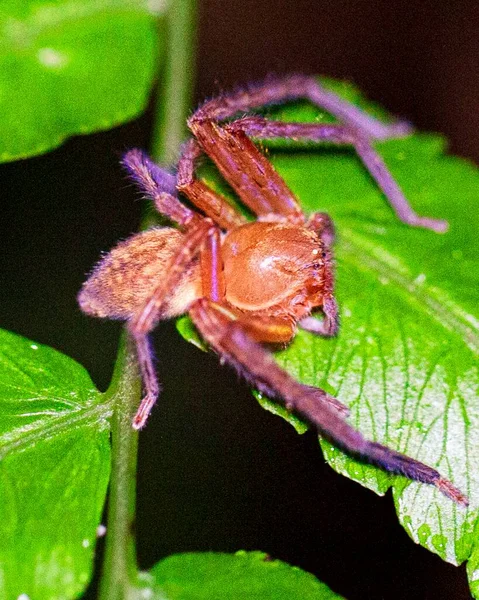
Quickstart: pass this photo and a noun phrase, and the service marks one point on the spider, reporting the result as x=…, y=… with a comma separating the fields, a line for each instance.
x=245, y=284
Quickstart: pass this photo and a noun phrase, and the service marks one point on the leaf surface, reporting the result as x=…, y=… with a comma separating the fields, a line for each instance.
x=240, y=576
x=54, y=470
x=69, y=67
x=405, y=359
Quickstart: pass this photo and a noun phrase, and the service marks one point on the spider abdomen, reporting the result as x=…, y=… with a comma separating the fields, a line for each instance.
x=268, y=263
x=125, y=278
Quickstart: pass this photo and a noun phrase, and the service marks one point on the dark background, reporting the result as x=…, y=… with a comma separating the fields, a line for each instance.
x=216, y=472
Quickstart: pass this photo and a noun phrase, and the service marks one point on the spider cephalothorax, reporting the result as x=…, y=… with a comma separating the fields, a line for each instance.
x=274, y=267
x=247, y=283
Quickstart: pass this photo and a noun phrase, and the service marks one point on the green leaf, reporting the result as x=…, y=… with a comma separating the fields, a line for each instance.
x=185, y=327
x=405, y=359
x=281, y=411
x=54, y=470
x=240, y=576
x=69, y=67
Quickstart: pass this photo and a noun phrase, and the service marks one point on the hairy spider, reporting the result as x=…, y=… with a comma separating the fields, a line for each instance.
x=247, y=283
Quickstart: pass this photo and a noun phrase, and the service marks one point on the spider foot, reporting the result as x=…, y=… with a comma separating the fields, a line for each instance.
x=452, y=492
x=437, y=225
x=143, y=412
x=147, y=174
x=397, y=129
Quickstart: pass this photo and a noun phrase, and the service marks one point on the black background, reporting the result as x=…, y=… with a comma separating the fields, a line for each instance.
x=216, y=472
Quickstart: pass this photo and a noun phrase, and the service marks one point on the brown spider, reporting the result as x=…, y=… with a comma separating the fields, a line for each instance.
x=247, y=283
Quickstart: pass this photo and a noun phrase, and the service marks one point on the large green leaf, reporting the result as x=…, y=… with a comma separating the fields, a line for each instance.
x=240, y=576
x=405, y=360
x=54, y=470
x=69, y=67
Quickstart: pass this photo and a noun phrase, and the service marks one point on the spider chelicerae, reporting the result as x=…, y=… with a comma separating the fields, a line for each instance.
x=245, y=284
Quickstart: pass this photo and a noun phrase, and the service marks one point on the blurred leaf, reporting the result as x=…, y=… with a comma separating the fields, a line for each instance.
x=405, y=360
x=54, y=470
x=187, y=330
x=69, y=67
x=240, y=576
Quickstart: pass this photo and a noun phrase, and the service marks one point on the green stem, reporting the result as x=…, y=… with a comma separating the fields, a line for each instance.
x=175, y=88
x=119, y=569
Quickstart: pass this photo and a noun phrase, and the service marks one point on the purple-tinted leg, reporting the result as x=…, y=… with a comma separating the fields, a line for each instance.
x=328, y=326
x=159, y=185
x=323, y=225
x=233, y=344
x=276, y=90
x=342, y=135
x=149, y=378
x=147, y=173
x=148, y=315
x=352, y=115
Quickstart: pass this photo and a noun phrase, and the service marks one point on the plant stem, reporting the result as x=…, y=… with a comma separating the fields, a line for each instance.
x=119, y=569
x=176, y=84
x=120, y=572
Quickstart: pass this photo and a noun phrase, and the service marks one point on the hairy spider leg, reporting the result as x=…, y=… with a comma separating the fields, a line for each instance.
x=277, y=90
x=159, y=186
x=323, y=225
x=212, y=274
x=262, y=128
x=229, y=339
x=326, y=327
x=358, y=125
x=147, y=173
x=147, y=316
x=247, y=171
x=213, y=204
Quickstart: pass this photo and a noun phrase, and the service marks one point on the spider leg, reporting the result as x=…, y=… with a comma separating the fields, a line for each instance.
x=216, y=322
x=323, y=225
x=147, y=173
x=231, y=342
x=213, y=204
x=159, y=185
x=252, y=176
x=246, y=169
x=328, y=326
x=212, y=275
x=342, y=135
x=276, y=90
x=148, y=315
